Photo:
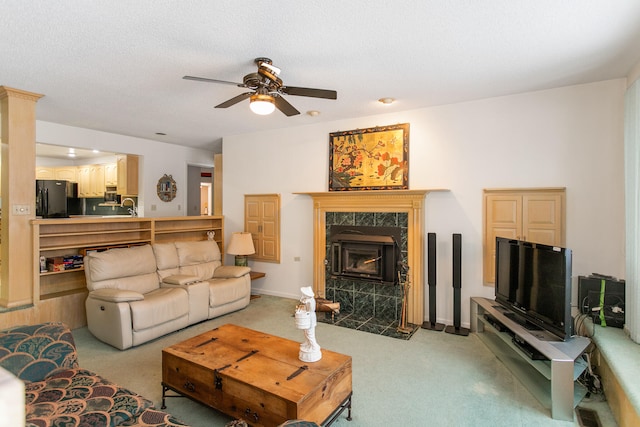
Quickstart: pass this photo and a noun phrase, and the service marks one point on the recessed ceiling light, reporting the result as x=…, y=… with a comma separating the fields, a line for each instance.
x=313, y=113
x=386, y=101
x=95, y=151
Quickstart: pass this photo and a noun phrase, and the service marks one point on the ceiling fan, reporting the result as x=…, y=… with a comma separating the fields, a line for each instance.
x=267, y=90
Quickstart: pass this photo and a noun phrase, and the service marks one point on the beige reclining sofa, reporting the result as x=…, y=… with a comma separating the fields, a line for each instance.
x=140, y=293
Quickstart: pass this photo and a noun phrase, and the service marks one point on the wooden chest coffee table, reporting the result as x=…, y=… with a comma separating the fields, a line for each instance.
x=257, y=377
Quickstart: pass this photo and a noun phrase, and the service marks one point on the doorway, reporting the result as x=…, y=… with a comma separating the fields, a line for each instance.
x=200, y=189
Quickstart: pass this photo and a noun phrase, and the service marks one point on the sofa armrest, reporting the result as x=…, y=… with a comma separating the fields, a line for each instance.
x=229, y=271
x=115, y=295
x=180, y=279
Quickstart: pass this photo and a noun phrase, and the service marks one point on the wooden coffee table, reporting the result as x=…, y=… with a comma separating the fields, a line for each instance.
x=257, y=377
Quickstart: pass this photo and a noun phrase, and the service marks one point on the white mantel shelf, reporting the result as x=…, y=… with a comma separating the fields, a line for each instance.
x=407, y=201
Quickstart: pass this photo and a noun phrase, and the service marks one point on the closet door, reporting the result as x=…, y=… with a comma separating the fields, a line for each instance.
x=262, y=220
x=535, y=215
x=503, y=218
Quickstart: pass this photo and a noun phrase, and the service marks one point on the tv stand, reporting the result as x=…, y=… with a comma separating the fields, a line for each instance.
x=553, y=380
x=522, y=321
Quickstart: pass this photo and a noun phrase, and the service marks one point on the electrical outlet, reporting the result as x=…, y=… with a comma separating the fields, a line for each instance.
x=153, y=207
x=21, y=209
x=296, y=259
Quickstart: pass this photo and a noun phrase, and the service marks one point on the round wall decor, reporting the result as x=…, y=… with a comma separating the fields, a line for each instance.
x=166, y=188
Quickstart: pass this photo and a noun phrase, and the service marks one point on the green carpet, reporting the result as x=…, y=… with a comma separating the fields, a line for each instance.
x=434, y=379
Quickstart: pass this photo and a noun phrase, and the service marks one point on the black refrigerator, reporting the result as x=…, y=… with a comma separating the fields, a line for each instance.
x=51, y=198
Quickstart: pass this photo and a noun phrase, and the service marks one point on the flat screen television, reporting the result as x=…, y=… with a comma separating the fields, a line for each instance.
x=533, y=281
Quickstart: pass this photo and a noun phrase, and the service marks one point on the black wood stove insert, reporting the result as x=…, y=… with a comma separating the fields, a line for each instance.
x=365, y=253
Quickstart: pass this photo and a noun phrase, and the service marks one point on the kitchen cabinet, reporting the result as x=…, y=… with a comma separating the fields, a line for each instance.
x=91, y=181
x=67, y=173
x=96, y=181
x=43, y=172
x=127, y=166
x=535, y=215
x=111, y=174
x=83, y=181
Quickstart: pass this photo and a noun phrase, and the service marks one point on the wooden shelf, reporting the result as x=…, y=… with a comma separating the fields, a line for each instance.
x=51, y=273
x=72, y=236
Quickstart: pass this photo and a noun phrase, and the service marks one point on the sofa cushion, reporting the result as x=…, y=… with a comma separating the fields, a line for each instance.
x=159, y=306
x=166, y=255
x=224, y=291
x=131, y=269
x=32, y=352
x=202, y=271
x=231, y=271
x=78, y=397
x=190, y=253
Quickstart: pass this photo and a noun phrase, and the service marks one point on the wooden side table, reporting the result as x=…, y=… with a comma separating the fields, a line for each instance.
x=256, y=274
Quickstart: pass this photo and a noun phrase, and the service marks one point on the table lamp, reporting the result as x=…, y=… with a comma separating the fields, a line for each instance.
x=241, y=245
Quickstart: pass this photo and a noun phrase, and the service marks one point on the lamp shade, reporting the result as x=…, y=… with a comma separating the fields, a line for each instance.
x=241, y=244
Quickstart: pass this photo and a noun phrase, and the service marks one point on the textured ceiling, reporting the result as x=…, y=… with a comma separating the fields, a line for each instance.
x=117, y=66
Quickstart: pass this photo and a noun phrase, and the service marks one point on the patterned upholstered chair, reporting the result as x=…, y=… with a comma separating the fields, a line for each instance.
x=60, y=393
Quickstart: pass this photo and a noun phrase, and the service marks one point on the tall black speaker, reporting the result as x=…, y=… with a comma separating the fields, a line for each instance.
x=432, y=324
x=457, y=288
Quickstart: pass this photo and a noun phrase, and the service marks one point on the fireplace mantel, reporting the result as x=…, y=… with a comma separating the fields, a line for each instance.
x=407, y=201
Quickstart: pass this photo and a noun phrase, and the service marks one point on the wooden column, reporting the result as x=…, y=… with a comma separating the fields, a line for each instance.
x=18, y=135
x=217, y=184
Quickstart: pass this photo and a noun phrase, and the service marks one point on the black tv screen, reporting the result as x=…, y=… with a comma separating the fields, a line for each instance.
x=534, y=281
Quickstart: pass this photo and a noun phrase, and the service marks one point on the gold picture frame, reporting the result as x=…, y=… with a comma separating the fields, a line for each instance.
x=369, y=159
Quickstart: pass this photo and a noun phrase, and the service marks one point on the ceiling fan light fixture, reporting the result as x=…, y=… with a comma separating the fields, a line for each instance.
x=262, y=104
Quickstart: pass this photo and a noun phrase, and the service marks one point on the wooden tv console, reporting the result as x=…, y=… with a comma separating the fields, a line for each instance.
x=553, y=380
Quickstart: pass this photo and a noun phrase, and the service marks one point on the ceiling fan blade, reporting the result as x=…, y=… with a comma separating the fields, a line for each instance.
x=234, y=100
x=305, y=91
x=284, y=106
x=203, y=79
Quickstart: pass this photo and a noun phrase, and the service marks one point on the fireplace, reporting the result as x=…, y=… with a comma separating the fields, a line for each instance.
x=369, y=254
x=370, y=204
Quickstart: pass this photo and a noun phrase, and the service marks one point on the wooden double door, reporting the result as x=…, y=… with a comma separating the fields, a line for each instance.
x=534, y=215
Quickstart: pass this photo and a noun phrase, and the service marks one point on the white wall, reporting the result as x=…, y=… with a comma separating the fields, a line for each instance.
x=157, y=159
x=567, y=137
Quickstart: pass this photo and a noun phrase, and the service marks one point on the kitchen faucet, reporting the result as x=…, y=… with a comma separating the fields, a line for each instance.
x=132, y=210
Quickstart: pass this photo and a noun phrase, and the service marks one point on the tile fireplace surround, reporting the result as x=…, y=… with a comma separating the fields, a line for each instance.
x=404, y=207
x=368, y=306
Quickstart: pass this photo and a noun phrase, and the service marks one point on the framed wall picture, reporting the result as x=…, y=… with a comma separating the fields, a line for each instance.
x=369, y=159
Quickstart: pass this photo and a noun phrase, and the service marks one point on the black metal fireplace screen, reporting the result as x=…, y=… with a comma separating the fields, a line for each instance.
x=370, y=257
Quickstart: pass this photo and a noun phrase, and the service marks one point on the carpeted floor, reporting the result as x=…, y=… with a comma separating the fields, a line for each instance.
x=435, y=379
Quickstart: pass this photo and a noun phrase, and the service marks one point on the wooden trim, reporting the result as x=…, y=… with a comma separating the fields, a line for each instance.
x=623, y=411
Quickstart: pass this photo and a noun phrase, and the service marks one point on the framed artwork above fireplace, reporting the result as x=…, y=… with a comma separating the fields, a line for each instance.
x=369, y=159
